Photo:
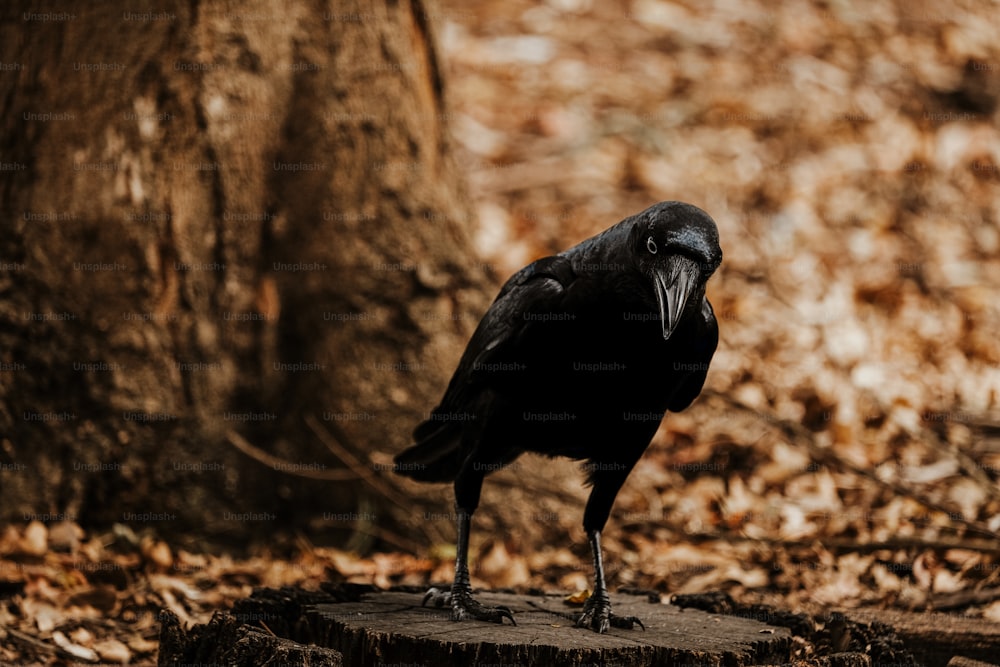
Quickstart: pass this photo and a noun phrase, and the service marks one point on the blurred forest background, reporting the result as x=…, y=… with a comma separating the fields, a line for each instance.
x=845, y=453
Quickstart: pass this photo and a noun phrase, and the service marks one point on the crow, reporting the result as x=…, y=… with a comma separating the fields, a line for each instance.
x=580, y=355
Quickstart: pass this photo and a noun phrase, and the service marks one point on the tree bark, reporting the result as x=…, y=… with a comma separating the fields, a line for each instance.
x=226, y=641
x=224, y=219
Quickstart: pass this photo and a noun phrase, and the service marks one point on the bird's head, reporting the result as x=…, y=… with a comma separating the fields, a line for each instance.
x=677, y=246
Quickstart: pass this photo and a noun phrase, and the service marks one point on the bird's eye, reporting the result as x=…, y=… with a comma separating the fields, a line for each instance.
x=651, y=245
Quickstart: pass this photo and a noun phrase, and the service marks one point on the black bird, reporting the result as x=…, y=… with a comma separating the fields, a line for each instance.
x=580, y=355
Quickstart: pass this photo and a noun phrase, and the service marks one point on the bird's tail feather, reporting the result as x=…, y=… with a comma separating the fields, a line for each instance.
x=436, y=456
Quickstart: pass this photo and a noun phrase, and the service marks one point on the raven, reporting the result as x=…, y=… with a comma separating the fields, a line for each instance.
x=580, y=355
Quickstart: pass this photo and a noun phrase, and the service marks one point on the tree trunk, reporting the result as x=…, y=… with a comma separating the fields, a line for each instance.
x=220, y=222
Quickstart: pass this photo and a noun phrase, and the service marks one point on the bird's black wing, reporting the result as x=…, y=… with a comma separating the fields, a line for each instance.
x=700, y=356
x=491, y=356
x=532, y=293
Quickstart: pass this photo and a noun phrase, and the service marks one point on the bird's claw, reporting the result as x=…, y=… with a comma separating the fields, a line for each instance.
x=472, y=609
x=597, y=616
x=436, y=595
x=464, y=606
x=626, y=622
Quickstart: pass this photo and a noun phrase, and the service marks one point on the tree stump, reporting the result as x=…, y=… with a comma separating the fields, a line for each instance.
x=226, y=640
x=371, y=627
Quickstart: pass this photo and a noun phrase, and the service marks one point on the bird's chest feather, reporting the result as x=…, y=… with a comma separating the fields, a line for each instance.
x=604, y=343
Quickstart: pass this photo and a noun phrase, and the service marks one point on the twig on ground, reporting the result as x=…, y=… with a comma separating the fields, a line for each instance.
x=240, y=443
x=353, y=472
x=333, y=442
x=25, y=638
x=964, y=598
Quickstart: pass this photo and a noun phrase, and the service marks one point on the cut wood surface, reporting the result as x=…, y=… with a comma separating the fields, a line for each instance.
x=360, y=625
x=394, y=626
x=370, y=627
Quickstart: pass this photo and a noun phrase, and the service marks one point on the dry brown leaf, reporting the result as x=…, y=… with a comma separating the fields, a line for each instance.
x=176, y=607
x=65, y=536
x=501, y=568
x=112, y=650
x=77, y=651
x=162, y=583
x=44, y=614
x=157, y=552
x=82, y=636
x=35, y=541
x=992, y=612
x=141, y=645
x=574, y=581
x=923, y=570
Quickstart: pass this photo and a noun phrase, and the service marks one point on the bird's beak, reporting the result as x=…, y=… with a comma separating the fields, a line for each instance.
x=674, y=285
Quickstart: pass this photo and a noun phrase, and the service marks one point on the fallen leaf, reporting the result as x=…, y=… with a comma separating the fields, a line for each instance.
x=35, y=541
x=112, y=650
x=157, y=552
x=77, y=651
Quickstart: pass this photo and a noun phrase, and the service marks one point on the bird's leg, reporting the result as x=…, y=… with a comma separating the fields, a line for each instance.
x=463, y=605
x=597, y=610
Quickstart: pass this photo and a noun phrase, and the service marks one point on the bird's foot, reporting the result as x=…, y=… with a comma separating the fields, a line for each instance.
x=464, y=606
x=597, y=616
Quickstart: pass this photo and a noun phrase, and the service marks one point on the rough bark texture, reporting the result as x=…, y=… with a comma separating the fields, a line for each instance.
x=225, y=640
x=216, y=218
x=938, y=638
